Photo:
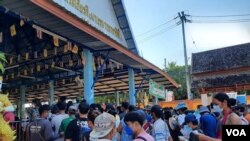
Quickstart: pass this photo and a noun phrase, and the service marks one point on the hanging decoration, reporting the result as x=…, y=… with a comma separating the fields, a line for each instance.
x=39, y=34
x=35, y=54
x=45, y=53
x=83, y=59
x=11, y=60
x=38, y=68
x=65, y=48
x=111, y=66
x=69, y=46
x=1, y=37
x=75, y=49
x=70, y=62
x=117, y=66
x=26, y=56
x=56, y=41
x=25, y=72
x=53, y=64
x=21, y=22
x=13, y=30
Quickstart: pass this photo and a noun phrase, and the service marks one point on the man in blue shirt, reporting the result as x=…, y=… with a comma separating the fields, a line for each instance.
x=207, y=122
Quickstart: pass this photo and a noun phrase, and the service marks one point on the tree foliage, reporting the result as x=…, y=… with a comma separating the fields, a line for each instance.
x=177, y=72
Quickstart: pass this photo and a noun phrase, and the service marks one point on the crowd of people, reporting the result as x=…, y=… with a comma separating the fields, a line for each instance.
x=106, y=122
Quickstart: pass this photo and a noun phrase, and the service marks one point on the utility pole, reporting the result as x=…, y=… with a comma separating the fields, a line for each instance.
x=182, y=16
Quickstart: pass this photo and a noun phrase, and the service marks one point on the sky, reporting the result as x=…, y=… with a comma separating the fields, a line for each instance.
x=157, y=36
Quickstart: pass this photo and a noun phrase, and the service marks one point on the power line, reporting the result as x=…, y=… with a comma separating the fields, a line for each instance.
x=158, y=33
x=220, y=16
x=155, y=28
x=191, y=36
x=221, y=21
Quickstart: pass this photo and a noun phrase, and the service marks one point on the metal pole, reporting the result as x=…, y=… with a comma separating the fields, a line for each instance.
x=51, y=92
x=131, y=77
x=183, y=19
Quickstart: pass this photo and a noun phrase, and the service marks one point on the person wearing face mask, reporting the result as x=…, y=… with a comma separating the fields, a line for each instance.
x=134, y=122
x=104, y=128
x=221, y=102
x=160, y=129
x=193, y=124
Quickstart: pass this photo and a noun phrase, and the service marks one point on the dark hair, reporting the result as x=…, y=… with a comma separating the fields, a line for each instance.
x=198, y=106
x=134, y=117
x=93, y=114
x=112, y=112
x=63, y=98
x=195, y=122
x=167, y=114
x=61, y=105
x=37, y=102
x=44, y=108
x=131, y=108
x=54, y=109
x=222, y=97
x=232, y=101
x=83, y=108
x=125, y=105
x=157, y=110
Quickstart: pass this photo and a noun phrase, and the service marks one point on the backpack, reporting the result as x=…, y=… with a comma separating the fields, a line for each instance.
x=84, y=130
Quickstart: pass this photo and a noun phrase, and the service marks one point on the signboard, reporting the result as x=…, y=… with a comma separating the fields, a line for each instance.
x=232, y=95
x=204, y=100
x=156, y=89
x=99, y=14
x=169, y=96
x=242, y=99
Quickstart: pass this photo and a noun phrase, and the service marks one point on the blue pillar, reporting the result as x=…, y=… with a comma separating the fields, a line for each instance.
x=22, y=100
x=88, y=76
x=131, y=79
x=51, y=92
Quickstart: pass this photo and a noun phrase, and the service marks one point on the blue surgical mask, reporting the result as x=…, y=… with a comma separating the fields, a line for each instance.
x=217, y=108
x=129, y=131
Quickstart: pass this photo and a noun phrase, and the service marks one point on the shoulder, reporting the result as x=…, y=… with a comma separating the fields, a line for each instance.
x=234, y=118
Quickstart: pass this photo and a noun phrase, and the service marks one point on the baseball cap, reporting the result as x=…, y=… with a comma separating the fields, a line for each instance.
x=189, y=118
x=203, y=109
x=72, y=108
x=103, y=124
x=181, y=105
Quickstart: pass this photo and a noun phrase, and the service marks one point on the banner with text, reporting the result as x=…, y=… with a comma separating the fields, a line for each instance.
x=156, y=89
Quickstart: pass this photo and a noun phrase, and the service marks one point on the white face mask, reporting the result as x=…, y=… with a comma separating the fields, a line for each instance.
x=217, y=108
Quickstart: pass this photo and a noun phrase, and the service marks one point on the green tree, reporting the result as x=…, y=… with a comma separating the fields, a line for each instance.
x=177, y=72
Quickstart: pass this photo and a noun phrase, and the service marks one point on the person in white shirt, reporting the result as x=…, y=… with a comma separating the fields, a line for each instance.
x=56, y=121
x=160, y=128
x=181, y=108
